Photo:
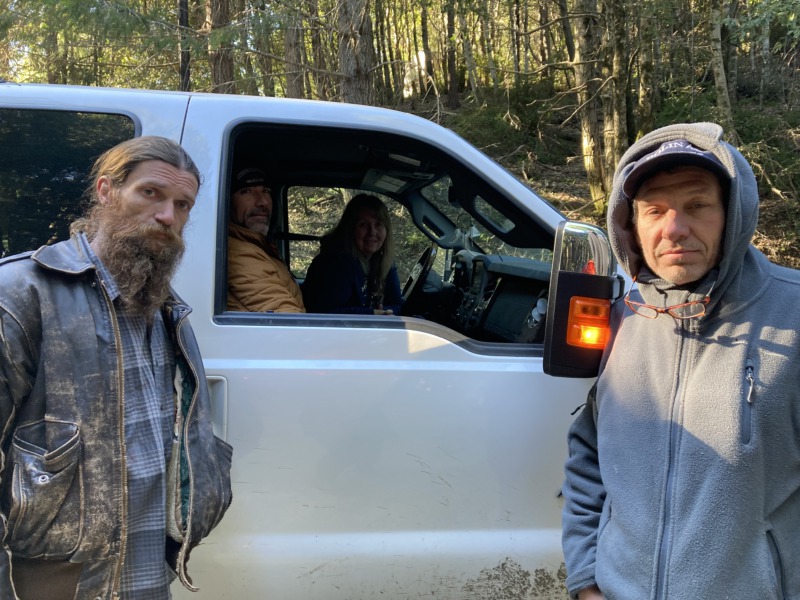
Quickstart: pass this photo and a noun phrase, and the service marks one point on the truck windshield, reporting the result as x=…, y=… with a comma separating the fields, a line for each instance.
x=483, y=240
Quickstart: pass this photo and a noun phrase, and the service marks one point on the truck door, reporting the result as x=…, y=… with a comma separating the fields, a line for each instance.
x=379, y=456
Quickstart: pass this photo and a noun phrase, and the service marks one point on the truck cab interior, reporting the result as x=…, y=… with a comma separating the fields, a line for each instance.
x=469, y=259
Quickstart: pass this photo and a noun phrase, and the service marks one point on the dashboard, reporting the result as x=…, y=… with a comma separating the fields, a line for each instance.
x=502, y=299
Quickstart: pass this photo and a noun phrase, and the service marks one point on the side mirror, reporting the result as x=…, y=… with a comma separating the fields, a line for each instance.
x=583, y=284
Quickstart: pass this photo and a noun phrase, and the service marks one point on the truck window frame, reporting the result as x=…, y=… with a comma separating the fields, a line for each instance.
x=233, y=159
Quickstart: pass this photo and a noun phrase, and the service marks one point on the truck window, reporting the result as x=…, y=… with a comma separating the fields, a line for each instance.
x=47, y=155
x=468, y=259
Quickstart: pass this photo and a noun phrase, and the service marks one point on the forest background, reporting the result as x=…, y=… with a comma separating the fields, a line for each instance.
x=554, y=90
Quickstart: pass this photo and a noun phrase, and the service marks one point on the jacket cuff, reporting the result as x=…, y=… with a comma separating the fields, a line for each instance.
x=580, y=580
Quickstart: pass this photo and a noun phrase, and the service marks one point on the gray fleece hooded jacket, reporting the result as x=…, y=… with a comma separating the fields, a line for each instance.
x=683, y=476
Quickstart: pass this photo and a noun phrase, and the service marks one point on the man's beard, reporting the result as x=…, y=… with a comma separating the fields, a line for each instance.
x=142, y=257
x=259, y=226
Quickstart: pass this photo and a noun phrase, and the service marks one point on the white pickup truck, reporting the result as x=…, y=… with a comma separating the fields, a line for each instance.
x=409, y=456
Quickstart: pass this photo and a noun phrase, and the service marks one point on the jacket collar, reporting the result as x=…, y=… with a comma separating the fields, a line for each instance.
x=246, y=235
x=70, y=257
x=65, y=257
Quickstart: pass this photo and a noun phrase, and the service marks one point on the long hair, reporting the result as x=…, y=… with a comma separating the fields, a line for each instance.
x=342, y=237
x=118, y=162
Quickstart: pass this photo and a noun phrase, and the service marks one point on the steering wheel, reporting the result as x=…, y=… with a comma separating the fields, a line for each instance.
x=419, y=274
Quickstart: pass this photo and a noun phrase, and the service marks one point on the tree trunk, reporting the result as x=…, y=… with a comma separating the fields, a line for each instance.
x=383, y=79
x=293, y=51
x=524, y=37
x=466, y=44
x=569, y=40
x=452, y=76
x=318, y=52
x=488, y=50
x=309, y=88
x=616, y=124
x=50, y=49
x=419, y=58
x=729, y=49
x=426, y=44
x=185, y=56
x=397, y=49
x=219, y=52
x=646, y=64
x=766, y=71
x=546, y=49
x=516, y=45
x=262, y=41
x=720, y=80
x=394, y=52
x=355, y=51
x=586, y=44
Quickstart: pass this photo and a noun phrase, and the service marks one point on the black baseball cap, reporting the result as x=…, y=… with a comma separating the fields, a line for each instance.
x=248, y=178
x=675, y=153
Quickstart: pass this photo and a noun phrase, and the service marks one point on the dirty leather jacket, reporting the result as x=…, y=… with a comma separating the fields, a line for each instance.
x=63, y=493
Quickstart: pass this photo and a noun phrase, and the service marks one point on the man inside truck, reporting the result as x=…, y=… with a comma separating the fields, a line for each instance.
x=258, y=280
x=683, y=476
x=111, y=473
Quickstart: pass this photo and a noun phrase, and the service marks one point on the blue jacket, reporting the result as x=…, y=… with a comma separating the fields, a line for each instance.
x=683, y=477
x=335, y=283
x=61, y=415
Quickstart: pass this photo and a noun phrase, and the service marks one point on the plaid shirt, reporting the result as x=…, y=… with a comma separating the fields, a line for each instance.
x=149, y=369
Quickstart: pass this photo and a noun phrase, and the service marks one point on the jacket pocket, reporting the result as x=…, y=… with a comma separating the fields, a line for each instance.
x=43, y=495
x=777, y=564
x=746, y=426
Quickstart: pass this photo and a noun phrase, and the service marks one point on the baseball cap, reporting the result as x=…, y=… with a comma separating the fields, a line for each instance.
x=675, y=153
x=248, y=178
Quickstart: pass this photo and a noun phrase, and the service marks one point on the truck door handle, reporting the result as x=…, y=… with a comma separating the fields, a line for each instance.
x=218, y=392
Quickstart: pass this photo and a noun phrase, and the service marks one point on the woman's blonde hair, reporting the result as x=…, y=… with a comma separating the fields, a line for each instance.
x=342, y=237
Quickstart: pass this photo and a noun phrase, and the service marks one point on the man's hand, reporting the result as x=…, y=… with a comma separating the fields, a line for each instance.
x=590, y=593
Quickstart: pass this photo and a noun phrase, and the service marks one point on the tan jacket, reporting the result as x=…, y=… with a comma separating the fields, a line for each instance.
x=258, y=281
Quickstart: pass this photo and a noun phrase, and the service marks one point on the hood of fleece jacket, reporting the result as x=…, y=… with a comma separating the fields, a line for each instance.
x=742, y=201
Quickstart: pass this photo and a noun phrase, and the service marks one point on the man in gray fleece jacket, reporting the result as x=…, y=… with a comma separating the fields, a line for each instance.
x=683, y=476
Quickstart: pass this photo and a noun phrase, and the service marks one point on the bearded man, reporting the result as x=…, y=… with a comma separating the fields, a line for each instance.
x=111, y=473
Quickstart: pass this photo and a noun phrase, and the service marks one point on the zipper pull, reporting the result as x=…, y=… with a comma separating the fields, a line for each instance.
x=751, y=380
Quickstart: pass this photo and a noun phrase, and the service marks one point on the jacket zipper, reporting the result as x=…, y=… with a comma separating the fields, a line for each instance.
x=670, y=483
x=747, y=408
x=123, y=445
x=180, y=566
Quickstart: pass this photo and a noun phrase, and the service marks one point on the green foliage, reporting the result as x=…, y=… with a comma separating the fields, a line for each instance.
x=781, y=16
x=770, y=141
x=686, y=105
x=516, y=127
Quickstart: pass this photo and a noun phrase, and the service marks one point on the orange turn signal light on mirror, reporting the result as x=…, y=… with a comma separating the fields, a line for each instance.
x=588, y=322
